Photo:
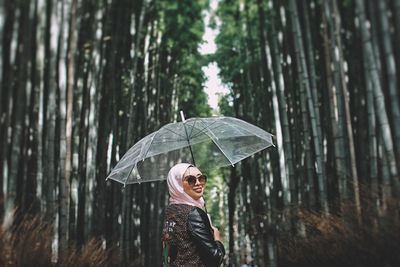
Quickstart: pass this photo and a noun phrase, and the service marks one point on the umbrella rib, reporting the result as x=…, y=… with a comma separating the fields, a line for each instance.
x=169, y=140
x=151, y=142
x=223, y=152
x=205, y=128
x=191, y=130
x=152, y=139
x=176, y=133
x=244, y=129
x=251, y=133
x=127, y=177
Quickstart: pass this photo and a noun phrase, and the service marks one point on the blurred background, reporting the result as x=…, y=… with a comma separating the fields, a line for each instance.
x=83, y=80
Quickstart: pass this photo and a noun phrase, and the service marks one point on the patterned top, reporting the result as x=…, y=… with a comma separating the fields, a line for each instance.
x=181, y=249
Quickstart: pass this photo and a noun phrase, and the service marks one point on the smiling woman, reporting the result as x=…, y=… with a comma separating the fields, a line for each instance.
x=194, y=183
x=188, y=238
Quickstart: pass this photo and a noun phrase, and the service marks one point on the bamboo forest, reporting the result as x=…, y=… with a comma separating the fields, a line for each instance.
x=82, y=81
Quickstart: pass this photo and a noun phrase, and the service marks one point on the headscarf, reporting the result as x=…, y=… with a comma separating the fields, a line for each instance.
x=175, y=187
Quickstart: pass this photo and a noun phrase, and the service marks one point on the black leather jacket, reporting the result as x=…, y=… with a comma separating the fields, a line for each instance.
x=211, y=252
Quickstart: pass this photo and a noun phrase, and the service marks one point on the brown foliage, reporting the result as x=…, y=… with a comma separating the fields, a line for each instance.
x=337, y=240
x=28, y=243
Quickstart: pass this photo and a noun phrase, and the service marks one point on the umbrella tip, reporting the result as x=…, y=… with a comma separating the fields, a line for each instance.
x=182, y=116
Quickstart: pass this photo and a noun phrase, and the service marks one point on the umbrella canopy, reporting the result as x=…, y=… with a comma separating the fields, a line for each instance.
x=205, y=142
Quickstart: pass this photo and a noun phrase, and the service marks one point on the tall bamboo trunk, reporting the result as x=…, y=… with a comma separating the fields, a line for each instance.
x=49, y=117
x=307, y=102
x=63, y=196
x=5, y=97
x=333, y=105
x=389, y=61
x=386, y=188
x=233, y=185
x=373, y=131
x=348, y=120
x=84, y=73
x=280, y=90
x=133, y=73
x=92, y=140
x=309, y=52
x=18, y=118
x=267, y=68
x=336, y=101
x=99, y=193
x=379, y=99
x=396, y=12
x=372, y=146
x=312, y=72
x=30, y=199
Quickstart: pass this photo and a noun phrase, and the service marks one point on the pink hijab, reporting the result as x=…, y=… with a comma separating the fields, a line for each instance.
x=175, y=187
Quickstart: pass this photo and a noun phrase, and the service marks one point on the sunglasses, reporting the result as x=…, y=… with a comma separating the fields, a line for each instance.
x=192, y=179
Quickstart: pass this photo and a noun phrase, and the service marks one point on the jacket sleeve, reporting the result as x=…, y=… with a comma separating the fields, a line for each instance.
x=211, y=252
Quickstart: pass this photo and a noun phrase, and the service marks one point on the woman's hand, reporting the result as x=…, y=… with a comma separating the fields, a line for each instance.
x=217, y=235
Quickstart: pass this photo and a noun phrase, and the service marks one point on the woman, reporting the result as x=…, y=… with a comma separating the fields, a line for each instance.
x=189, y=239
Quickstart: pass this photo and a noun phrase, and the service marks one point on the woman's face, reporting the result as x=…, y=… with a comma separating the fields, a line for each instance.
x=194, y=183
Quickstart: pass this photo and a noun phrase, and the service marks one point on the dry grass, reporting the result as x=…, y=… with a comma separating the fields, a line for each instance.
x=91, y=254
x=337, y=241
x=330, y=241
x=29, y=244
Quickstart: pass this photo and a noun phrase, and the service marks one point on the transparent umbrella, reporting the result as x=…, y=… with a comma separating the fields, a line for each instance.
x=205, y=142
